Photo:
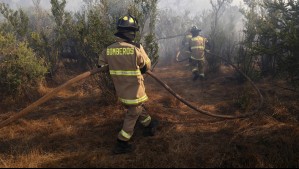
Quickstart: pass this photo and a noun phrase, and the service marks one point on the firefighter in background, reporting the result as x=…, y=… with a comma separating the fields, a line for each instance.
x=197, y=48
x=185, y=46
x=127, y=63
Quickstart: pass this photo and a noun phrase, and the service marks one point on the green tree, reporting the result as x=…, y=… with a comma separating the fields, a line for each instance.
x=271, y=36
x=17, y=21
x=94, y=30
x=283, y=33
x=20, y=70
x=146, y=12
x=246, y=54
x=217, y=35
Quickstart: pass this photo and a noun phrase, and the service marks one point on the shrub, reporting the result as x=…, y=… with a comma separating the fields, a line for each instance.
x=20, y=70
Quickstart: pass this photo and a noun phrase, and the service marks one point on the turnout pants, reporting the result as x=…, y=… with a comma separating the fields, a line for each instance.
x=198, y=67
x=134, y=114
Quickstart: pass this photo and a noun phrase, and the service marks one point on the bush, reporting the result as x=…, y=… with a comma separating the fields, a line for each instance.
x=20, y=70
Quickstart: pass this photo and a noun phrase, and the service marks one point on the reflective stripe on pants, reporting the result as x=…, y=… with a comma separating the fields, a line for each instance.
x=134, y=113
x=198, y=66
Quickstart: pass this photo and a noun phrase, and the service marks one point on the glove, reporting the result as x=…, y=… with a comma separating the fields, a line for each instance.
x=143, y=70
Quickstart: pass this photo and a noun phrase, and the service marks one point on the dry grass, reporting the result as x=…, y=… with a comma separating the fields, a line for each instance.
x=75, y=129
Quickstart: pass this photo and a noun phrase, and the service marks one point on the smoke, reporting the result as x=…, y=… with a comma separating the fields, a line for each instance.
x=193, y=6
x=174, y=17
x=72, y=5
x=179, y=6
x=177, y=16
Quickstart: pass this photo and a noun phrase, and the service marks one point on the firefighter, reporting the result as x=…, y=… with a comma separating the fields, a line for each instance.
x=185, y=46
x=197, y=47
x=127, y=63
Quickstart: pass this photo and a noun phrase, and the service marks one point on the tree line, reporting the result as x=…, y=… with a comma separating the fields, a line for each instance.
x=35, y=42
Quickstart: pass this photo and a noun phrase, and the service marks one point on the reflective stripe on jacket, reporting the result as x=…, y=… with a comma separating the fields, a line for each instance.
x=125, y=61
x=197, y=45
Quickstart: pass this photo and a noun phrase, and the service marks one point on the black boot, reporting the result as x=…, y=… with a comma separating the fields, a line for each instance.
x=151, y=129
x=195, y=76
x=122, y=147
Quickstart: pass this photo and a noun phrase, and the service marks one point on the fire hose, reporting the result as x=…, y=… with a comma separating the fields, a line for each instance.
x=103, y=69
x=244, y=75
x=203, y=111
x=193, y=107
x=51, y=94
x=170, y=37
x=177, y=57
x=214, y=115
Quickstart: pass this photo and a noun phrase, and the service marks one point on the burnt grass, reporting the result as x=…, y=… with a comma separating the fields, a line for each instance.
x=77, y=128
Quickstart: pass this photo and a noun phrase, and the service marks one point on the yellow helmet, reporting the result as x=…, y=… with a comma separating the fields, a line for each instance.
x=128, y=22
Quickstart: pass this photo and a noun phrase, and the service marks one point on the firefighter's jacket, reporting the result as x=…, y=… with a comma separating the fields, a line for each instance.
x=197, y=47
x=125, y=62
x=186, y=41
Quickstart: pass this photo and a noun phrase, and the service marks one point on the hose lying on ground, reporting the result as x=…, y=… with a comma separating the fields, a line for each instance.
x=52, y=94
x=244, y=75
x=193, y=107
x=177, y=57
x=98, y=70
